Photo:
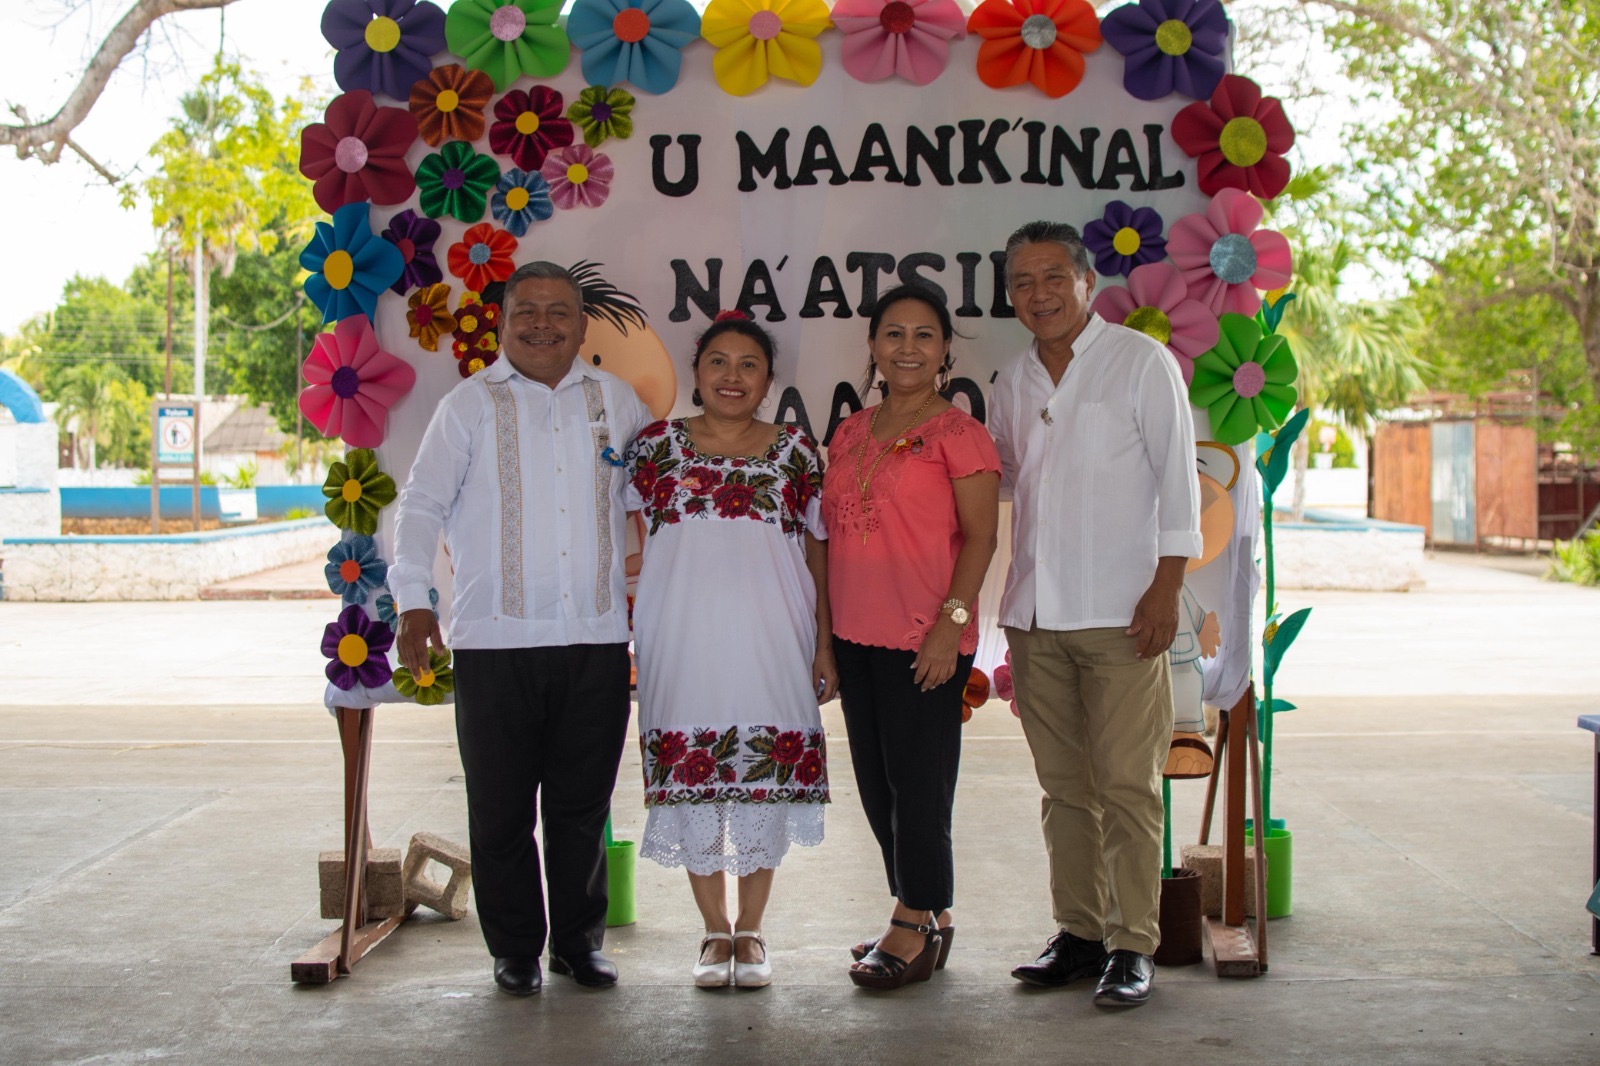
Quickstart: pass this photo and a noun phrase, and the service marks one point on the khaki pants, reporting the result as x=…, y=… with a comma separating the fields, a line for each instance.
x=1099, y=722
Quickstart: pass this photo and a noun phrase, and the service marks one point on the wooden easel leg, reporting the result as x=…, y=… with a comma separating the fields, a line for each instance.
x=1261, y=831
x=1216, y=773
x=1233, y=949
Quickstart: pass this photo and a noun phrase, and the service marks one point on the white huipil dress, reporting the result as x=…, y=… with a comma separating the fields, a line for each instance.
x=724, y=622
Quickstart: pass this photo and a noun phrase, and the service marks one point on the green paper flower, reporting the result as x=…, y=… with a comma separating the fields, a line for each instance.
x=508, y=38
x=357, y=490
x=1246, y=382
x=456, y=181
x=603, y=113
x=436, y=682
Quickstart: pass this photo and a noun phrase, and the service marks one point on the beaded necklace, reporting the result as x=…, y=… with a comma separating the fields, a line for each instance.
x=898, y=444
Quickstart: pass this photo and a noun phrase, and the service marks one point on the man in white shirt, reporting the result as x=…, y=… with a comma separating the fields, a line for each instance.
x=520, y=470
x=1096, y=439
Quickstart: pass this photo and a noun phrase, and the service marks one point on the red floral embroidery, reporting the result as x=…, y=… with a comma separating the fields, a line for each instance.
x=700, y=480
x=644, y=478
x=788, y=748
x=713, y=765
x=661, y=499
x=734, y=501
x=696, y=768
x=672, y=748
x=809, y=770
x=676, y=482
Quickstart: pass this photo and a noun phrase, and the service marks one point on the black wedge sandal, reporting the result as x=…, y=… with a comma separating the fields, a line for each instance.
x=947, y=937
x=880, y=970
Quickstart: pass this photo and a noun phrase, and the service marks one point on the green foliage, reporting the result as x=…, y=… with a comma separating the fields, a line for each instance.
x=294, y=513
x=244, y=477
x=1344, y=452
x=1577, y=561
x=107, y=414
x=1273, y=462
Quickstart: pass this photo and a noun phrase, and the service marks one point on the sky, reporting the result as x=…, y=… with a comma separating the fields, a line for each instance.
x=70, y=221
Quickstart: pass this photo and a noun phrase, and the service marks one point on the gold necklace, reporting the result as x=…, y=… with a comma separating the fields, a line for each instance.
x=865, y=483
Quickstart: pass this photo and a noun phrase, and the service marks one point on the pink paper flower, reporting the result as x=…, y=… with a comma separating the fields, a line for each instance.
x=579, y=176
x=1157, y=302
x=904, y=37
x=352, y=383
x=1225, y=259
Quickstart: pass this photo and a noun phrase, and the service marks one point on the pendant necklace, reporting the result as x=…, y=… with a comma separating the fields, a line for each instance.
x=897, y=444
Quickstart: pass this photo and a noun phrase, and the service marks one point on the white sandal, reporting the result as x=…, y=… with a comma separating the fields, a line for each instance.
x=752, y=974
x=714, y=974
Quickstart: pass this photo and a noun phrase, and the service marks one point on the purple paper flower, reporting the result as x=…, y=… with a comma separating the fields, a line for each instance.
x=354, y=568
x=1125, y=238
x=384, y=45
x=415, y=237
x=1170, y=45
x=355, y=647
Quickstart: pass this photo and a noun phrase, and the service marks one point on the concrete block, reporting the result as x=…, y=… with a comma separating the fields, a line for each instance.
x=385, y=892
x=449, y=898
x=1207, y=860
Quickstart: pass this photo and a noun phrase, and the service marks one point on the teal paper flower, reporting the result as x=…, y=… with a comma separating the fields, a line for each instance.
x=1246, y=382
x=354, y=569
x=638, y=41
x=349, y=265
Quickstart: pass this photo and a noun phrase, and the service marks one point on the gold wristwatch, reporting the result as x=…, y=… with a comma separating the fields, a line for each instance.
x=960, y=613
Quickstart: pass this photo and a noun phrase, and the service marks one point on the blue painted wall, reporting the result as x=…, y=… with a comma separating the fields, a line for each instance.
x=272, y=501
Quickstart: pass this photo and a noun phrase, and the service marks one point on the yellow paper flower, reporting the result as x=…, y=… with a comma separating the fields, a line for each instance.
x=758, y=39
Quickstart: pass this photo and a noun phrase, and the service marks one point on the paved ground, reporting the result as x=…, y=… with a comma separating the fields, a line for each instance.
x=166, y=780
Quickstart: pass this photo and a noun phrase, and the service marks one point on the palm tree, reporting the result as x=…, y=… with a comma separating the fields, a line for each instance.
x=87, y=405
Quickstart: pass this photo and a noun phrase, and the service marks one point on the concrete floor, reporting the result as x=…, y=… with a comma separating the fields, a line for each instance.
x=166, y=780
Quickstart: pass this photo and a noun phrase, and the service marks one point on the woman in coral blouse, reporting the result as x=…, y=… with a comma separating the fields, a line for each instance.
x=910, y=500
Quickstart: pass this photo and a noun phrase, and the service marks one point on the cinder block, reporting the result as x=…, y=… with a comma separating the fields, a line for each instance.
x=385, y=892
x=1207, y=859
x=450, y=898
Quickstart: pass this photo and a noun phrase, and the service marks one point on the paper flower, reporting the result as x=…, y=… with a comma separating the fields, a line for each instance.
x=483, y=256
x=757, y=39
x=354, y=568
x=603, y=113
x=358, y=152
x=430, y=687
x=1225, y=259
x=1170, y=45
x=1124, y=238
x=1042, y=41
x=384, y=45
x=355, y=647
x=908, y=38
x=528, y=125
x=357, y=490
x=429, y=316
x=520, y=199
x=578, y=177
x=449, y=102
x=477, y=341
x=1239, y=137
x=456, y=181
x=638, y=41
x=505, y=40
x=1157, y=302
x=349, y=265
x=1245, y=382
x=391, y=617
x=352, y=383
x=414, y=236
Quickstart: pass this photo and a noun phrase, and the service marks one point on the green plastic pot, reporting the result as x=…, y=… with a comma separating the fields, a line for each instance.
x=621, y=861
x=1279, y=848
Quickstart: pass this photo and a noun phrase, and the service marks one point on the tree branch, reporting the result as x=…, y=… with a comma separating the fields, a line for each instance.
x=45, y=140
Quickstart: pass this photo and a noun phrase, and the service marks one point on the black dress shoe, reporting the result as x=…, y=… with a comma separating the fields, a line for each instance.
x=1126, y=982
x=589, y=968
x=1066, y=959
x=519, y=975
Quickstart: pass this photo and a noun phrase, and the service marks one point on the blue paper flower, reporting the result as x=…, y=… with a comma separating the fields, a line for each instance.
x=1170, y=45
x=384, y=45
x=638, y=41
x=349, y=265
x=354, y=569
x=519, y=200
x=391, y=617
x=1124, y=238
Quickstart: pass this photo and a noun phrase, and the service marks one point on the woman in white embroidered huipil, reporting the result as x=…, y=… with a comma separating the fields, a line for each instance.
x=734, y=645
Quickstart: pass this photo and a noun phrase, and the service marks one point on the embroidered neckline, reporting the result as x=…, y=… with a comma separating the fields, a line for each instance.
x=680, y=426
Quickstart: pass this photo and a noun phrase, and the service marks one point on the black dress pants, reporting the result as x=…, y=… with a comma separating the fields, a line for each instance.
x=905, y=746
x=532, y=720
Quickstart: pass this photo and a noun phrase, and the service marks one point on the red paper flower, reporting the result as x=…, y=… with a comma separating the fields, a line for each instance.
x=483, y=256
x=1240, y=138
x=529, y=126
x=358, y=152
x=1042, y=41
x=449, y=103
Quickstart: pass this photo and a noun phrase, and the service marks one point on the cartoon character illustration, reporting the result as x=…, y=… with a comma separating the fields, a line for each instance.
x=1199, y=633
x=621, y=341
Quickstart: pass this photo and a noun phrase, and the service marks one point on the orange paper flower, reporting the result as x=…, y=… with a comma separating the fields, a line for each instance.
x=1042, y=41
x=430, y=316
x=449, y=102
x=483, y=256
